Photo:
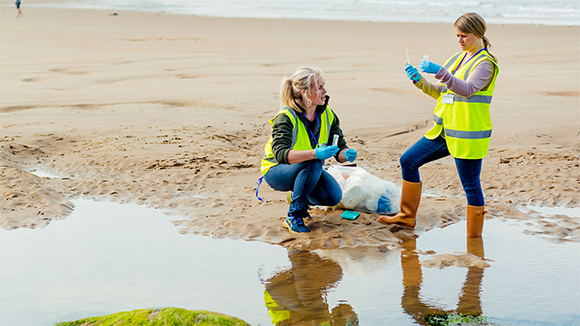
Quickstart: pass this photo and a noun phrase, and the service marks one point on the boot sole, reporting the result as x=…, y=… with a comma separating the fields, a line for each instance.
x=288, y=227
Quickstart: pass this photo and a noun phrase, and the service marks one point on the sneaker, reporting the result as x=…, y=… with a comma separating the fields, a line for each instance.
x=295, y=225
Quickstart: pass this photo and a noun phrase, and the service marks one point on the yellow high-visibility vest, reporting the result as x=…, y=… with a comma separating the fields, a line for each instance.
x=300, y=135
x=466, y=124
x=276, y=313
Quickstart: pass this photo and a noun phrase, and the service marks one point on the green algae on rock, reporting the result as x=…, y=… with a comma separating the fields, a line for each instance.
x=158, y=317
x=455, y=319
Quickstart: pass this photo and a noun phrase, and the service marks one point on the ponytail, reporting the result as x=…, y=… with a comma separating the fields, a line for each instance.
x=487, y=45
x=287, y=96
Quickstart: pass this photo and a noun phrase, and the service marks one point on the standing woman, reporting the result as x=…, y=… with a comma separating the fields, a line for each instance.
x=462, y=122
x=302, y=136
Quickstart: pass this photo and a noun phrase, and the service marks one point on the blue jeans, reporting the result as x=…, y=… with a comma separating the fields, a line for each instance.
x=426, y=150
x=309, y=184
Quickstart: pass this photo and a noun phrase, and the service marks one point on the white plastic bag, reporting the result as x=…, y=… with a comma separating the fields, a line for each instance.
x=364, y=192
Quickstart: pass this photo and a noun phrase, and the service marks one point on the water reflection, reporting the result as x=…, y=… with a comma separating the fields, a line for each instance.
x=108, y=257
x=297, y=296
x=469, y=302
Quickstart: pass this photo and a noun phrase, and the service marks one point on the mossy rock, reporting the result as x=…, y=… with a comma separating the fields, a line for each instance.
x=159, y=317
x=454, y=319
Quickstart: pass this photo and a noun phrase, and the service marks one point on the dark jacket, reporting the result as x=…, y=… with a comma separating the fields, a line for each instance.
x=282, y=133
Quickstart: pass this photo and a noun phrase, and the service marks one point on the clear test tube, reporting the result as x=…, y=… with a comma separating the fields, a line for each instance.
x=426, y=58
x=335, y=140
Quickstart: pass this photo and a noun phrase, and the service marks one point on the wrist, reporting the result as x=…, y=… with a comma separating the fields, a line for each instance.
x=440, y=73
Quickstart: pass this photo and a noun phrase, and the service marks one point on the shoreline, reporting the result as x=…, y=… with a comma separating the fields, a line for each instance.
x=170, y=111
x=444, y=19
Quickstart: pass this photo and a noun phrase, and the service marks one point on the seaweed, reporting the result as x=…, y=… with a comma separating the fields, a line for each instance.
x=159, y=317
x=455, y=319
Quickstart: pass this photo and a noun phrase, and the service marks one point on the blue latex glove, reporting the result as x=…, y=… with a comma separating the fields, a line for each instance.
x=350, y=154
x=429, y=67
x=324, y=152
x=412, y=73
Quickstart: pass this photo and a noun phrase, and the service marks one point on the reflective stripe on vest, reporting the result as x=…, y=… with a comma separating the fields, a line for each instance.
x=466, y=123
x=468, y=134
x=448, y=64
x=300, y=137
x=437, y=120
x=473, y=98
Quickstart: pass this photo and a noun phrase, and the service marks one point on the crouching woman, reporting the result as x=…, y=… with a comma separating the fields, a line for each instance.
x=301, y=139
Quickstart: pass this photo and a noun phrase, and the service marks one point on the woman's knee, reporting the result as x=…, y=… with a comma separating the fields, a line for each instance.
x=406, y=160
x=409, y=171
x=317, y=164
x=312, y=165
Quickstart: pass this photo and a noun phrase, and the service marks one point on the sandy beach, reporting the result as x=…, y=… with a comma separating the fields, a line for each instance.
x=171, y=112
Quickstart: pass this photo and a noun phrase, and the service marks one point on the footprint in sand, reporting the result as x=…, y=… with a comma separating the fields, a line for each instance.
x=68, y=71
x=564, y=93
x=33, y=80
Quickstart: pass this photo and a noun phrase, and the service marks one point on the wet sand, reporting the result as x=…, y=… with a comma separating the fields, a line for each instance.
x=171, y=112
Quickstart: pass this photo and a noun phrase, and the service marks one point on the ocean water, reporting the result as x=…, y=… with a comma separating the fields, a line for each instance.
x=553, y=12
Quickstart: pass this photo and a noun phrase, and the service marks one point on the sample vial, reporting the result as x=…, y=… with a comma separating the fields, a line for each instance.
x=421, y=67
x=335, y=140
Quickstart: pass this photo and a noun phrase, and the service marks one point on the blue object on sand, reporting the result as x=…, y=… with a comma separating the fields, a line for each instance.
x=350, y=215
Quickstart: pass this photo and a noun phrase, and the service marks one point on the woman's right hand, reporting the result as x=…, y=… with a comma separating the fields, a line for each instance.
x=413, y=73
x=325, y=152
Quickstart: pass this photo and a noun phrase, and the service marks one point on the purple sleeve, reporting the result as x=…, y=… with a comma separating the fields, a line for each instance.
x=478, y=79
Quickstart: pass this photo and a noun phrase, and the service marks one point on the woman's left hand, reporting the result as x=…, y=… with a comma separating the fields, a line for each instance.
x=350, y=154
x=429, y=67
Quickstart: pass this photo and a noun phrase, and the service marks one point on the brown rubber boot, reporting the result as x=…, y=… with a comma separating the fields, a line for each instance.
x=475, y=221
x=410, y=198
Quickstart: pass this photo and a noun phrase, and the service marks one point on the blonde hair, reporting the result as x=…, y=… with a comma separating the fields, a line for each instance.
x=304, y=79
x=473, y=23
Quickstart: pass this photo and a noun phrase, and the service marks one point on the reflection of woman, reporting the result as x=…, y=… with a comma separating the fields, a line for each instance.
x=302, y=136
x=469, y=302
x=295, y=296
x=462, y=122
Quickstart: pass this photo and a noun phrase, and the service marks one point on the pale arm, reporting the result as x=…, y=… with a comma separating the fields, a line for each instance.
x=295, y=156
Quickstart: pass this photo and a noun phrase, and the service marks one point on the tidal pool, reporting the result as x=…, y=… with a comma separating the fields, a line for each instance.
x=41, y=173
x=108, y=257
